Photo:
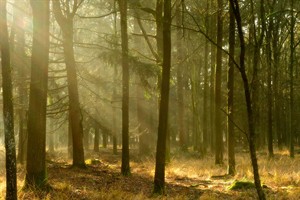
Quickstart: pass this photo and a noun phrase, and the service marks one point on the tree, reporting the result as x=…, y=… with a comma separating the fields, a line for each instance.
x=125, y=168
x=8, y=110
x=65, y=19
x=159, y=178
x=205, y=116
x=20, y=65
x=291, y=74
x=36, y=166
x=251, y=127
x=269, y=84
x=96, y=139
x=218, y=122
x=230, y=88
x=179, y=76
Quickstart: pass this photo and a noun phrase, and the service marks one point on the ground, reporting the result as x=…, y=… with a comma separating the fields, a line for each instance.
x=188, y=177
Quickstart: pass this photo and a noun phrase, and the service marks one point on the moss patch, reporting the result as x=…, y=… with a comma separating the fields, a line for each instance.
x=240, y=185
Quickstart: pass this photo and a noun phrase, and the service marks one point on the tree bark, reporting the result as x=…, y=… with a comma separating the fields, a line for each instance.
x=269, y=85
x=8, y=110
x=251, y=127
x=125, y=168
x=218, y=81
x=213, y=28
x=66, y=24
x=179, y=75
x=36, y=166
x=159, y=178
x=230, y=89
x=96, y=139
x=291, y=74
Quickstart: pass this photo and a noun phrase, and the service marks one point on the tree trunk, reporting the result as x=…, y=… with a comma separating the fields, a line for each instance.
x=291, y=73
x=218, y=95
x=125, y=168
x=213, y=34
x=179, y=75
x=159, y=178
x=104, y=139
x=235, y=6
x=230, y=89
x=205, y=115
x=96, y=138
x=8, y=110
x=18, y=59
x=269, y=84
x=86, y=138
x=36, y=166
x=114, y=94
x=66, y=25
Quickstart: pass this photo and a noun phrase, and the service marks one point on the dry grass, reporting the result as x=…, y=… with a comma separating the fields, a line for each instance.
x=188, y=177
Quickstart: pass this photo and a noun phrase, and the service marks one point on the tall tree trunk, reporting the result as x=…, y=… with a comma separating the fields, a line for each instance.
x=104, y=139
x=230, y=89
x=251, y=127
x=21, y=68
x=270, y=92
x=291, y=74
x=114, y=94
x=36, y=166
x=115, y=130
x=51, y=137
x=218, y=95
x=159, y=178
x=8, y=110
x=66, y=25
x=96, y=138
x=205, y=115
x=125, y=168
x=213, y=28
x=179, y=75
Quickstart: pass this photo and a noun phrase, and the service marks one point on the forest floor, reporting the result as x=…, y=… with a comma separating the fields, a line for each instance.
x=187, y=175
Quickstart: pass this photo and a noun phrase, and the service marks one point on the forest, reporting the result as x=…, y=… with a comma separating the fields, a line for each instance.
x=149, y=99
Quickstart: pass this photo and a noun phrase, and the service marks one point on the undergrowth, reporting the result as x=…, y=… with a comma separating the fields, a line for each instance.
x=187, y=177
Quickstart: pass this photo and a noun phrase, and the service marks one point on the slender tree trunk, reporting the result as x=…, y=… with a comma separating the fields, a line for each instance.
x=51, y=137
x=205, y=115
x=159, y=178
x=291, y=73
x=235, y=6
x=96, y=138
x=179, y=75
x=218, y=95
x=86, y=138
x=19, y=58
x=115, y=132
x=104, y=139
x=230, y=89
x=66, y=25
x=115, y=138
x=8, y=110
x=125, y=168
x=36, y=166
x=70, y=141
x=270, y=92
x=213, y=29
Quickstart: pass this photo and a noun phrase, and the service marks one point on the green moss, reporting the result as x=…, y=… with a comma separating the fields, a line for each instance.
x=240, y=185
